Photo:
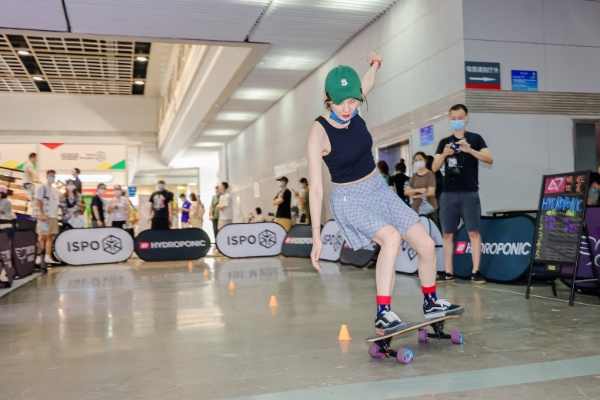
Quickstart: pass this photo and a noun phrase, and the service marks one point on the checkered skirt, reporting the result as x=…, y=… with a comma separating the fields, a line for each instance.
x=362, y=209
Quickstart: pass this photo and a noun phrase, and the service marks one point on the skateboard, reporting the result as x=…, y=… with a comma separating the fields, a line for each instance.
x=380, y=344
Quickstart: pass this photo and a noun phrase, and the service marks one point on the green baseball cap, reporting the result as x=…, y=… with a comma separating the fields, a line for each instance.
x=343, y=83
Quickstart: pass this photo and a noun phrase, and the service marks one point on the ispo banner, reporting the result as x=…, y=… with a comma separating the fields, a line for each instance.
x=333, y=241
x=506, y=248
x=172, y=245
x=23, y=245
x=298, y=242
x=262, y=239
x=360, y=257
x=408, y=258
x=93, y=246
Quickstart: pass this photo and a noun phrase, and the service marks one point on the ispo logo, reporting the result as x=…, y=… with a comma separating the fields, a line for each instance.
x=112, y=244
x=267, y=239
x=336, y=240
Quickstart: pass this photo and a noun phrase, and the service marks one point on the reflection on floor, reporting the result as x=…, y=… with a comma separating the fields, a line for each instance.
x=176, y=331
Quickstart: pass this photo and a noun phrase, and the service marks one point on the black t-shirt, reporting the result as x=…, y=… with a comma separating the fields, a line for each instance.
x=468, y=178
x=160, y=203
x=400, y=181
x=284, y=209
x=97, y=201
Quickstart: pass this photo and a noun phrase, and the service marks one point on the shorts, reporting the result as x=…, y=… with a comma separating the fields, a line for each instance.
x=161, y=224
x=455, y=206
x=223, y=222
x=285, y=222
x=51, y=228
x=362, y=209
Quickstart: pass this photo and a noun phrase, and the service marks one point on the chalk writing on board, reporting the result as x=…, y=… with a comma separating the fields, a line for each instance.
x=560, y=217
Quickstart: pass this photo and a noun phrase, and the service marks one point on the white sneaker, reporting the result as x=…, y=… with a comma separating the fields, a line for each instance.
x=49, y=260
x=38, y=260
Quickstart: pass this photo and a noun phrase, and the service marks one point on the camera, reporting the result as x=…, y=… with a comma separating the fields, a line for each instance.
x=455, y=146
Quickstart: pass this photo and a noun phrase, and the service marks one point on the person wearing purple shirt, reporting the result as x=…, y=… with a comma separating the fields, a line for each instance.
x=185, y=211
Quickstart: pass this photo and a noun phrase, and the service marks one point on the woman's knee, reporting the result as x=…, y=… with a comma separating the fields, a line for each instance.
x=389, y=236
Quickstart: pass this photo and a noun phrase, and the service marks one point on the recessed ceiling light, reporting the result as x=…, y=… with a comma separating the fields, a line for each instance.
x=38, y=78
x=141, y=58
x=23, y=52
x=192, y=184
x=139, y=82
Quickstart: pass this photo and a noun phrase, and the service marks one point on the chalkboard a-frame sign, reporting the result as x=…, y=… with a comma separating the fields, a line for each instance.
x=559, y=226
x=560, y=218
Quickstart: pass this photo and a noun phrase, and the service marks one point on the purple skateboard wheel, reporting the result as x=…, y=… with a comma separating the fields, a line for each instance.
x=374, y=351
x=422, y=335
x=456, y=337
x=405, y=356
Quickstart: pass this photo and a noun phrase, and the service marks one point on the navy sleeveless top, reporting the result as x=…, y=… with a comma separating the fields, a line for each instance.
x=350, y=158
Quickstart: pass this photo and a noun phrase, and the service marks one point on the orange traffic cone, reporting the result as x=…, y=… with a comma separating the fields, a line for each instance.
x=273, y=302
x=206, y=273
x=344, y=334
x=231, y=285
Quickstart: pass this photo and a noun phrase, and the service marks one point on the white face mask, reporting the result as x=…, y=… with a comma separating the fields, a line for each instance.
x=51, y=179
x=280, y=184
x=118, y=193
x=101, y=191
x=418, y=165
x=71, y=187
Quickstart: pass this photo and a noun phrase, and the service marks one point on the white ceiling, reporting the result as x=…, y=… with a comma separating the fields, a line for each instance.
x=303, y=34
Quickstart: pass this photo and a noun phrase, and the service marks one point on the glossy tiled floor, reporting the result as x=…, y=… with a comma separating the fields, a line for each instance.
x=167, y=331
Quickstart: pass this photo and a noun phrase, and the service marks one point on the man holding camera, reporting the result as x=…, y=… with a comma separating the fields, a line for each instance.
x=460, y=154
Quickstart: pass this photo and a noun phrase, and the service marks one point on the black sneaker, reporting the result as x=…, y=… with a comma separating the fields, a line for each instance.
x=477, y=279
x=444, y=277
x=387, y=323
x=442, y=308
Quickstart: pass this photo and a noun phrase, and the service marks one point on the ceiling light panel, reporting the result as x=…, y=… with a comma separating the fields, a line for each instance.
x=71, y=65
x=224, y=20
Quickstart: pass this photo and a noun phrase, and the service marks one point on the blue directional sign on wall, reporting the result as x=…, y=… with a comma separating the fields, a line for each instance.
x=426, y=134
x=482, y=75
x=524, y=81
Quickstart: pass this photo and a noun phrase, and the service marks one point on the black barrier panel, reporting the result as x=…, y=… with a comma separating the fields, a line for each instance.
x=23, y=245
x=298, y=242
x=506, y=248
x=87, y=246
x=7, y=272
x=360, y=257
x=172, y=245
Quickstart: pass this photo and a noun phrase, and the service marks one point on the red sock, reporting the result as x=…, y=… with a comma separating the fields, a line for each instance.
x=428, y=290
